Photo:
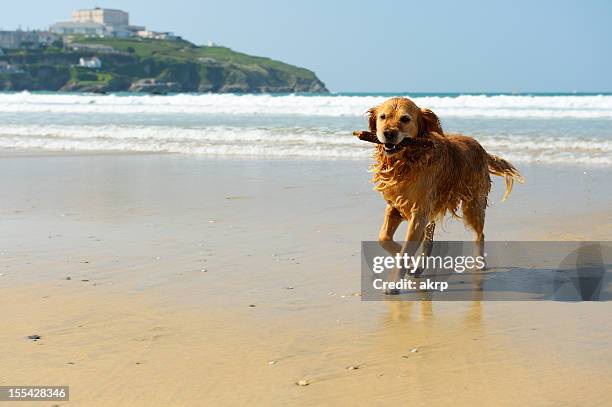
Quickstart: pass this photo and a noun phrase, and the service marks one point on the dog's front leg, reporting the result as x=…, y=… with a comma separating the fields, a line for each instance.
x=414, y=239
x=392, y=220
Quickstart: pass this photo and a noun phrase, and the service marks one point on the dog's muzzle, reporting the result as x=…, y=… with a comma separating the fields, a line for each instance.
x=390, y=136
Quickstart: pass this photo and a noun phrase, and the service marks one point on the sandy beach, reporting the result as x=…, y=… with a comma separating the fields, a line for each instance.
x=188, y=218
x=159, y=279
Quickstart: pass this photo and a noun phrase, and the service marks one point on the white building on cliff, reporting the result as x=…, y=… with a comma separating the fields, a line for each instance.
x=99, y=22
x=93, y=63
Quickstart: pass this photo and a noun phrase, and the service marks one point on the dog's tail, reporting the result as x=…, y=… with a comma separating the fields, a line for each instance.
x=499, y=166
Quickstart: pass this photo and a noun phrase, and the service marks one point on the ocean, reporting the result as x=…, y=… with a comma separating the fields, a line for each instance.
x=560, y=129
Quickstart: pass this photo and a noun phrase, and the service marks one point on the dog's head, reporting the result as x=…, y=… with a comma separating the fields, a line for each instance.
x=399, y=118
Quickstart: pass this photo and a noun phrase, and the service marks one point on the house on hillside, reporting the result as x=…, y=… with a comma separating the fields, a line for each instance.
x=26, y=39
x=157, y=35
x=93, y=63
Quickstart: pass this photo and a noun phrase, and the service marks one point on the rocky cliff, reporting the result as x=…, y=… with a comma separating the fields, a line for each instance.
x=152, y=66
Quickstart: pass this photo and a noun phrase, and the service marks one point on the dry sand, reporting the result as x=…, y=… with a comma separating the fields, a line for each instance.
x=196, y=281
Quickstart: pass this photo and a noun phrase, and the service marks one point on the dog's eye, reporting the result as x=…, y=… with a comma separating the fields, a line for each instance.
x=382, y=116
x=405, y=119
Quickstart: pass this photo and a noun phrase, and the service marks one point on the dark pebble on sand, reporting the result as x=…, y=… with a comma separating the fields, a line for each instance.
x=252, y=305
x=68, y=278
x=34, y=337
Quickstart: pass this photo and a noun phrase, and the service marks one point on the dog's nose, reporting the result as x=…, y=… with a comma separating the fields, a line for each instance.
x=390, y=135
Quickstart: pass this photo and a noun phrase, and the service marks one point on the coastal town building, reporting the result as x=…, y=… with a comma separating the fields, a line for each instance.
x=75, y=28
x=26, y=39
x=98, y=22
x=104, y=16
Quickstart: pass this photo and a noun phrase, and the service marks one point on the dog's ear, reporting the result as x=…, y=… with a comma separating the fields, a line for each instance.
x=372, y=119
x=429, y=122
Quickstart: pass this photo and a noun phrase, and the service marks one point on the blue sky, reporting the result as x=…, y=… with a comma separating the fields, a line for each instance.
x=389, y=46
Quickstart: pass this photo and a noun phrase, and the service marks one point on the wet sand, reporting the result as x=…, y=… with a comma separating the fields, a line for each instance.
x=199, y=281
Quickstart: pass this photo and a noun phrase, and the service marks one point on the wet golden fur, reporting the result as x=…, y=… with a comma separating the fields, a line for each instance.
x=422, y=183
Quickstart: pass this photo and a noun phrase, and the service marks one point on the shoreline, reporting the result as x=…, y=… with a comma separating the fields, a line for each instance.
x=33, y=153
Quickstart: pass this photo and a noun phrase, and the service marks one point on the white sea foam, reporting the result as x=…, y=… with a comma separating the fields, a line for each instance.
x=263, y=141
x=496, y=106
x=572, y=129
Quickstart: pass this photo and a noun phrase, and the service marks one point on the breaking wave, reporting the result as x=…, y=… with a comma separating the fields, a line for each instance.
x=312, y=142
x=563, y=129
x=493, y=106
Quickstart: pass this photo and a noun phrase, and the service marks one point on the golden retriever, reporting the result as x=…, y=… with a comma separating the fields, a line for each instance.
x=421, y=182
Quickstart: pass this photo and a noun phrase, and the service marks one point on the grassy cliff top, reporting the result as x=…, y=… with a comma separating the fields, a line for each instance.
x=182, y=50
x=155, y=66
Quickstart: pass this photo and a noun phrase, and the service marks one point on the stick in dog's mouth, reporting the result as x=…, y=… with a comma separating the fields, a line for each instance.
x=370, y=137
